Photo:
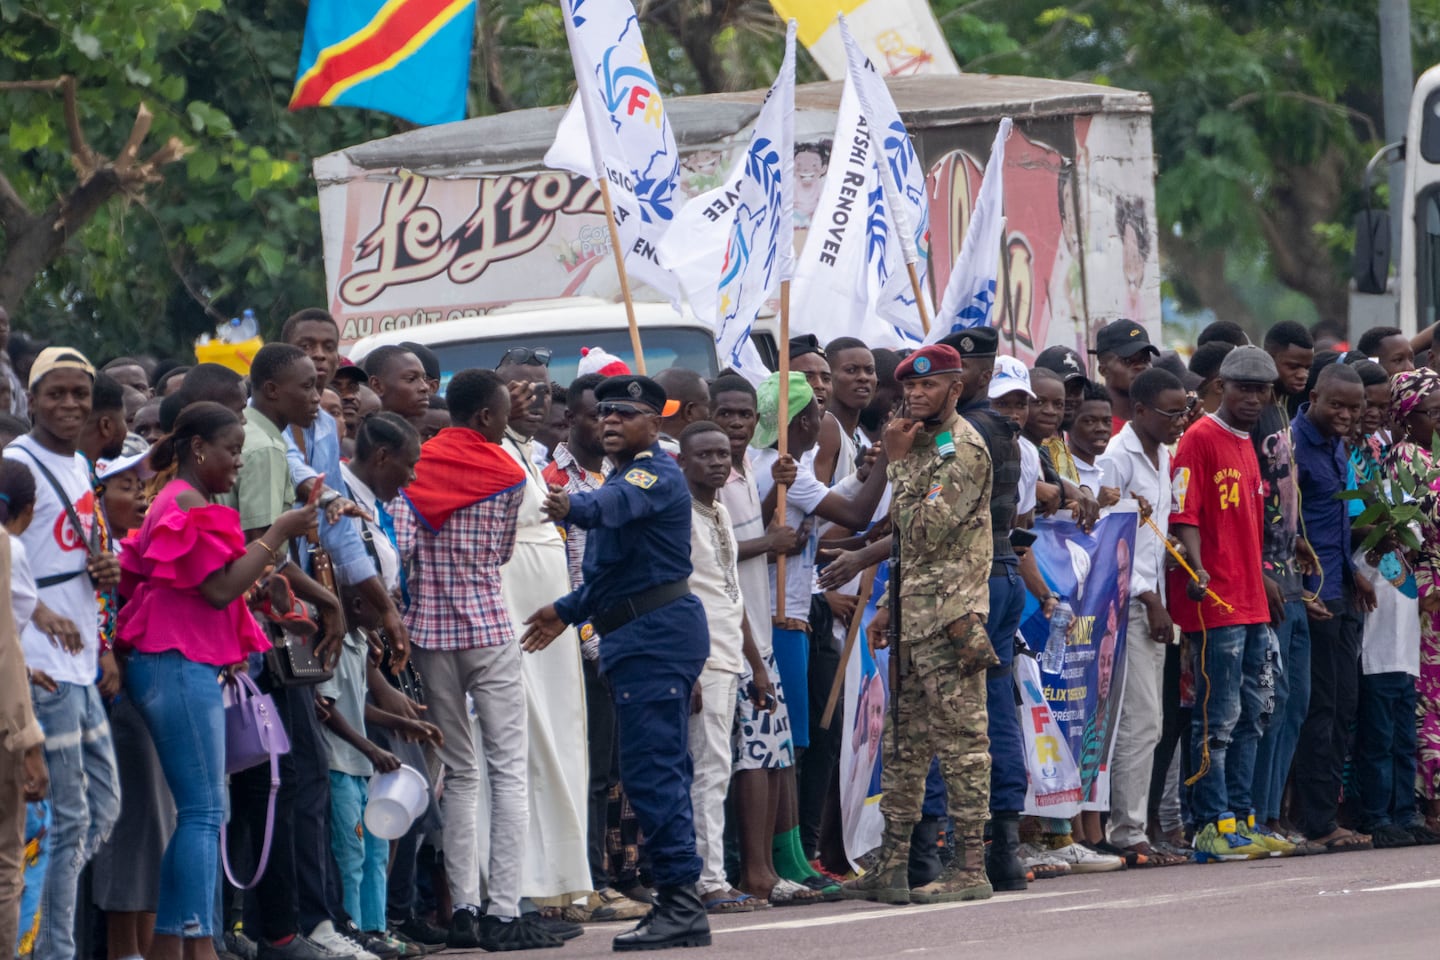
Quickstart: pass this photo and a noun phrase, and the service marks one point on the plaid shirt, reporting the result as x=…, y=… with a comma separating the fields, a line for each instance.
x=563, y=471
x=454, y=575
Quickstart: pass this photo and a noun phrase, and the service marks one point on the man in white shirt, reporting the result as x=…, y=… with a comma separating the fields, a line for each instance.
x=715, y=579
x=1090, y=434
x=62, y=641
x=1137, y=464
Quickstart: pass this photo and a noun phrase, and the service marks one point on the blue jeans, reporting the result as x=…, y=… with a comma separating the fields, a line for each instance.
x=1227, y=716
x=361, y=856
x=182, y=705
x=1292, y=702
x=1008, y=777
x=1385, y=749
x=792, y=657
x=84, y=803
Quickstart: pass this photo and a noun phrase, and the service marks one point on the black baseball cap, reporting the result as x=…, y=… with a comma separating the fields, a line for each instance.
x=1068, y=364
x=1124, y=338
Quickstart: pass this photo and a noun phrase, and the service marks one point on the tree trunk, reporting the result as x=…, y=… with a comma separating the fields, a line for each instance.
x=1302, y=199
x=1199, y=275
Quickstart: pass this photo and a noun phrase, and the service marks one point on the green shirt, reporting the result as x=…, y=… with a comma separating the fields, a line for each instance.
x=263, y=489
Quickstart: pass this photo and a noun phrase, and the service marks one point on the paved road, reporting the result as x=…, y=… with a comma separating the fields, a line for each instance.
x=1380, y=904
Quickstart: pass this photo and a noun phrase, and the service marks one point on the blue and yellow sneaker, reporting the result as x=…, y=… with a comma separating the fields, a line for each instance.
x=1219, y=841
x=1276, y=844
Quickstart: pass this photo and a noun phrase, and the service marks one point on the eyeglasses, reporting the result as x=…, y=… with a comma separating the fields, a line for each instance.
x=526, y=357
x=622, y=410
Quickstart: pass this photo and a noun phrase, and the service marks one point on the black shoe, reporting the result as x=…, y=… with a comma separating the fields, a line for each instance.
x=299, y=948
x=464, y=931
x=1002, y=865
x=1389, y=836
x=554, y=926
x=1424, y=836
x=678, y=920
x=421, y=931
x=412, y=948
x=377, y=943
x=924, y=852
x=497, y=935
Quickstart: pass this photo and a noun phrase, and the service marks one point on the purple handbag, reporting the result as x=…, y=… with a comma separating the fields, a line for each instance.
x=254, y=734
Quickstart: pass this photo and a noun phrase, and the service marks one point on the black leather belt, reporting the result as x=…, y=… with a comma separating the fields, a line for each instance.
x=636, y=606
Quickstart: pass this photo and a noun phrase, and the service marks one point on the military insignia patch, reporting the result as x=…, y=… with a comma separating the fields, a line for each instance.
x=934, y=493
x=634, y=389
x=922, y=365
x=643, y=479
x=967, y=345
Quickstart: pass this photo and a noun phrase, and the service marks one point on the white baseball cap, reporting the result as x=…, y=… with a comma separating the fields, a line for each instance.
x=139, y=462
x=1010, y=375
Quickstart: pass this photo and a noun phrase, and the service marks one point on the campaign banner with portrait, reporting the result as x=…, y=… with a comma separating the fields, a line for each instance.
x=1081, y=647
x=862, y=740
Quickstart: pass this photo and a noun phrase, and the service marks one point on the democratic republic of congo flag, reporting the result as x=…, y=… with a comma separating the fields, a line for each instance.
x=410, y=58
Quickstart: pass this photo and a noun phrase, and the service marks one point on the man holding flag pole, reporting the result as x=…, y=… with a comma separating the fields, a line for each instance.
x=617, y=133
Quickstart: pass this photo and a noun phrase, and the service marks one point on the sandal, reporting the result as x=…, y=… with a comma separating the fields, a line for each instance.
x=728, y=901
x=788, y=893
x=1341, y=840
x=1151, y=857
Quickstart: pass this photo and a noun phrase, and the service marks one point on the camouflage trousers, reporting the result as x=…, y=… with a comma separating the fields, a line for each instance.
x=941, y=714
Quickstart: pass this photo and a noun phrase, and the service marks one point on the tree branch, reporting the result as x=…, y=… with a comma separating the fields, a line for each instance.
x=1314, y=101
x=14, y=212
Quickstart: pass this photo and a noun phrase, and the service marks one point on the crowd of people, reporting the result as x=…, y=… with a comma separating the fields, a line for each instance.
x=602, y=620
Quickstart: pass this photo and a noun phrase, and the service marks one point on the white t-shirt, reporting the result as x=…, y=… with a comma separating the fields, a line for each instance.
x=385, y=551
x=1091, y=474
x=1391, y=639
x=742, y=502
x=801, y=499
x=1029, y=477
x=716, y=581
x=23, y=593
x=54, y=548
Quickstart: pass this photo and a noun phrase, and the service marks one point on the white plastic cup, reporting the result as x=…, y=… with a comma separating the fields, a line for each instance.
x=395, y=801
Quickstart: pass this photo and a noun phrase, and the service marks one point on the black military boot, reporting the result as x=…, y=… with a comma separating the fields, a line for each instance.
x=678, y=920
x=925, y=862
x=1007, y=873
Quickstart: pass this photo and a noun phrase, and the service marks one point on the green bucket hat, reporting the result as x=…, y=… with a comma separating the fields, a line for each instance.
x=767, y=406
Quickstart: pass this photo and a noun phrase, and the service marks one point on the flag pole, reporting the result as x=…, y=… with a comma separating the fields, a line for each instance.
x=784, y=436
x=919, y=300
x=624, y=277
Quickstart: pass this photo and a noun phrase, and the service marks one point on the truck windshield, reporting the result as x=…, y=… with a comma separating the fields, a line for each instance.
x=1427, y=258
x=664, y=347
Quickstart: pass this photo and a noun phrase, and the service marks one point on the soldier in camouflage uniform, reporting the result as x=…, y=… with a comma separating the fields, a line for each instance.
x=940, y=474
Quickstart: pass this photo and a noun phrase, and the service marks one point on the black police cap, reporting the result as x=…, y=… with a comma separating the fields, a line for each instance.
x=978, y=342
x=635, y=390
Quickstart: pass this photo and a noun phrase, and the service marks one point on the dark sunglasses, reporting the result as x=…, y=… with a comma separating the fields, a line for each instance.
x=526, y=357
x=622, y=410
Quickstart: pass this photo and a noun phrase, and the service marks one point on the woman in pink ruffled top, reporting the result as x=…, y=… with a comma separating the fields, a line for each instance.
x=184, y=577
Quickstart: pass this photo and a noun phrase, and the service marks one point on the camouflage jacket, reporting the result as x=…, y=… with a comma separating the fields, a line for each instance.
x=940, y=506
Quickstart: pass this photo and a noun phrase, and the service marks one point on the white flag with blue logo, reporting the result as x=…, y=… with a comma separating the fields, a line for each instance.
x=760, y=249
x=617, y=128
x=903, y=204
x=969, y=299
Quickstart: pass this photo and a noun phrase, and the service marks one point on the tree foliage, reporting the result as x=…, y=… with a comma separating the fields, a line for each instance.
x=1265, y=112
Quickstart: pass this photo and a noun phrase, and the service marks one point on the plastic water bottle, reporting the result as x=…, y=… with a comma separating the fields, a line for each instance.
x=239, y=329
x=1052, y=659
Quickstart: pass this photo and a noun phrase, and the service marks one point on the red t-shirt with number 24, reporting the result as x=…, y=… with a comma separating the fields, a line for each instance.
x=1218, y=491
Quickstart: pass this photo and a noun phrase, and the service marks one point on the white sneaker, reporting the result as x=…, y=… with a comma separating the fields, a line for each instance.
x=1041, y=862
x=333, y=942
x=1084, y=860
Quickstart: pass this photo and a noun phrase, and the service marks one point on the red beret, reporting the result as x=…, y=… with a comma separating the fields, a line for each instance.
x=928, y=361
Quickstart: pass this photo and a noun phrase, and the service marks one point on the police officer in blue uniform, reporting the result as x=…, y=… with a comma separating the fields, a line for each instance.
x=653, y=641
